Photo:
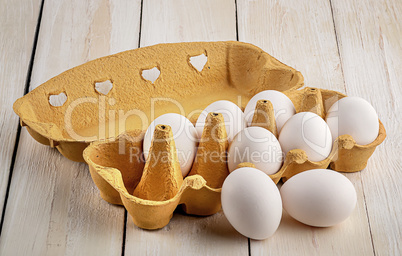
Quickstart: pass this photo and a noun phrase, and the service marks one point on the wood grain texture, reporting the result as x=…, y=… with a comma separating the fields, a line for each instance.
x=298, y=33
x=369, y=35
x=53, y=206
x=187, y=21
x=187, y=235
x=176, y=21
x=302, y=35
x=18, y=22
x=55, y=209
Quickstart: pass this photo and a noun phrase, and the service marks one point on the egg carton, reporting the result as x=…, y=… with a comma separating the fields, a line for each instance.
x=115, y=162
x=346, y=155
x=117, y=176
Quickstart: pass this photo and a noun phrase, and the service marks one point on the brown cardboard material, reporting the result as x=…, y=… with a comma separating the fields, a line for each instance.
x=115, y=160
x=264, y=116
x=200, y=199
x=245, y=164
x=210, y=161
x=312, y=102
x=161, y=178
x=345, y=156
x=232, y=69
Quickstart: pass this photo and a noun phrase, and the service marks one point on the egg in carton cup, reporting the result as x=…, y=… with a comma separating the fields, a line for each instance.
x=151, y=201
x=151, y=191
x=346, y=155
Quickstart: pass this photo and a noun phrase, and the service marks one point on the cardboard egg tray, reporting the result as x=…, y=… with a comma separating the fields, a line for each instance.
x=151, y=192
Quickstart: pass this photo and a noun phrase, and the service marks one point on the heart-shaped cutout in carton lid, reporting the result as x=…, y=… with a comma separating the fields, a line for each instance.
x=126, y=91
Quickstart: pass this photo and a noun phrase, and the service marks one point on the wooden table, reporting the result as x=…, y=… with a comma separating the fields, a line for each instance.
x=50, y=205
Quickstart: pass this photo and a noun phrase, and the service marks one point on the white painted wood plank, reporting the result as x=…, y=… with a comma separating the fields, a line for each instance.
x=53, y=206
x=17, y=30
x=177, y=21
x=187, y=21
x=301, y=34
x=187, y=235
x=370, y=35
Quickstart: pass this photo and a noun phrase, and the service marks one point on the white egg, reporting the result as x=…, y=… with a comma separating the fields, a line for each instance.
x=258, y=146
x=232, y=115
x=309, y=132
x=283, y=107
x=354, y=116
x=252, y=203
x=184, y=135
x=319, y=197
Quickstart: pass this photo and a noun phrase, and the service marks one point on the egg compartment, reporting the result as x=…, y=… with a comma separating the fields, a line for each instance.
x=346, y=155
x=117, y=176
x=232, y=69
x=107, y=96
x=151, y=191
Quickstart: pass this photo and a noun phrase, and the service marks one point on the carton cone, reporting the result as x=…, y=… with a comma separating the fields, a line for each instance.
x=351, y=157
x=232, y=69
x=264, y=116
x=312, y=102
x=162, y=178
x=195, y=196
x=210, y=161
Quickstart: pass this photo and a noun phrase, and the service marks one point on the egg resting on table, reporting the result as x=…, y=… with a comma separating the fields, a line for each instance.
x=252, y=203
x=319, y=197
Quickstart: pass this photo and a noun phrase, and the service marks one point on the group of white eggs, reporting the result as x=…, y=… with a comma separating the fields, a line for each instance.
x=250, y=199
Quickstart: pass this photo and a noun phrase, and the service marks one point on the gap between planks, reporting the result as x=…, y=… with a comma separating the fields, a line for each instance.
x=123, y=245
x=344, y=85
x=337, y=45
x=237, y=39
x=26, y=90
